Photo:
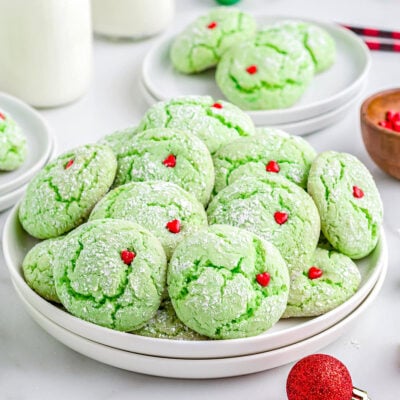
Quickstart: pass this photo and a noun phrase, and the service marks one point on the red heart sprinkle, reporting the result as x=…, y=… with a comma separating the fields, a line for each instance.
x=396, y=126
x=389, y=115
x=2, y=116
x=263, y=279
x=357, y=192
x=212, y=25
x=174, y=226
x=314, y=273
x=272, y=166
x=280, y=217
x=385, y=124
x=396, y=117
x=252, y=69
x=170, y=161
x=69, y=164
x=127, y=256
x=217, y=105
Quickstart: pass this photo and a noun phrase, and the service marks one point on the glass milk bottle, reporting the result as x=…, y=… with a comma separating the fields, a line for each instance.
x=133, y=19
x=45, y=50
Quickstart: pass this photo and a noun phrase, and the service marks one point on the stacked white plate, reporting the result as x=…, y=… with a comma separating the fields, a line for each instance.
x=287, y=341
x=40, y=148
x=330, y=96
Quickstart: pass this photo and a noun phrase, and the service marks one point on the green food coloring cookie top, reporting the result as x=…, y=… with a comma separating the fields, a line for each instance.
x=111, y=273
x=226, y=282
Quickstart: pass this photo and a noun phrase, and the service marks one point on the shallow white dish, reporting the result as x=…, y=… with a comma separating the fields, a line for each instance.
x=299, y=128
x=205, y=368
x=39, y=143
x=328, y=90
x=16, y=243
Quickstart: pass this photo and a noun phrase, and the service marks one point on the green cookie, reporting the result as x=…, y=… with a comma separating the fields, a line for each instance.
x=202, y=43
x=166, y=325
x=275, y=209
x=317, y=41
x=119, y=139
x=271, y=71
x=165, y=209
x=308, y=297
x=111, y=273
x=38, y=268
x=215, y=123
x=270, y=151
x=12, y=143
x=348, y=203
x=227, y=283
x=61, y=196
x=167, y=155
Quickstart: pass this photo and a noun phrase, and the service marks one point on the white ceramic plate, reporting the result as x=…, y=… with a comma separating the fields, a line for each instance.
x=16, y=243
x=39, y=142
x=206, y=368
x=299, y=128
x=327, y=91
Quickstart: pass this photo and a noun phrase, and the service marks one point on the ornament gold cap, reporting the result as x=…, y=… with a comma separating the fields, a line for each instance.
x=359, y=394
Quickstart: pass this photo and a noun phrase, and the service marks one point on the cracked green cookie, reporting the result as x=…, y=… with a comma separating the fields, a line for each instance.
x=111, y=273
x=166, y=325
x=38, y=268
x=168, y=155
x=348, y=202
x=227, y=283
x=119, y=139
x=275, y=209
x=268, y=152
x=215, y=123
x=202, y=43
x=12, y=143
x=329, y=281
x=269, y=72
x=62, y=195
x=317, y=41
x=165, y=209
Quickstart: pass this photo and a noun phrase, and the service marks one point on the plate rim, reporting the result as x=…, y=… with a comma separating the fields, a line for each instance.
x=44, y=158
x=202, y=348
x=258, y=361
x=281, y=113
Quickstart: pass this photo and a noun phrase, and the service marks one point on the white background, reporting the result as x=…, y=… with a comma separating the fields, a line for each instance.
x=35, y=366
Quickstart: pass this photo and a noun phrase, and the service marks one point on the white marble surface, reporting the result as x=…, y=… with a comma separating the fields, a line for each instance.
x=35, y=366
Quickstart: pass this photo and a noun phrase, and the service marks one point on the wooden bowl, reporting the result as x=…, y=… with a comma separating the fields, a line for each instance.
x=383, y=145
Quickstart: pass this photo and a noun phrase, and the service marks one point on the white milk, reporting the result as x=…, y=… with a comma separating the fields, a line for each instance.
x=131, y=18
x=45, y=50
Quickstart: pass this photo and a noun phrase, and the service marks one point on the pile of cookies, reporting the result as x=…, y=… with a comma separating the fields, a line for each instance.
x=12, y=143
x=256, y=69
x=197, y=225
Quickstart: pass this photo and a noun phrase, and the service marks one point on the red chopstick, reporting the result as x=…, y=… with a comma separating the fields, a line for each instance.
x=389, y=44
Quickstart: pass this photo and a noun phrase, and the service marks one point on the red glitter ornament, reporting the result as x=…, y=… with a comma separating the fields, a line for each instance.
x=127, y=256
x=272, y=166
x=217, y=105
x=317, y=377
x=170, y=161
x=212, y=25
x=314, y=273
x=69, y=164
x=280, y=217
x=357, y=192
x=263, y=279
x=252, y=69
x=2, y=116
x=174, y=226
